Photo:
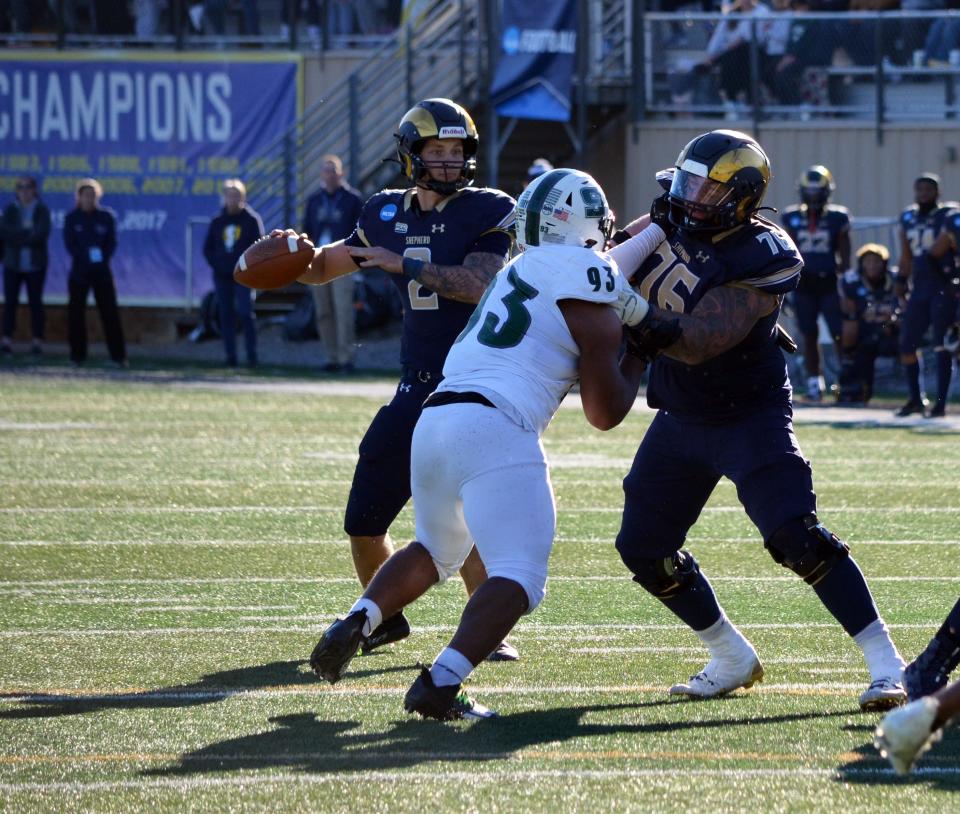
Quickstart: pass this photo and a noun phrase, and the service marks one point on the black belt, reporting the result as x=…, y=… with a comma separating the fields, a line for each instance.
x=450, y=397
x=422, y=376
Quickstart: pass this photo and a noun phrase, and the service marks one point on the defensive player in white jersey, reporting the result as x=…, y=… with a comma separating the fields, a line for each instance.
x=479, y=473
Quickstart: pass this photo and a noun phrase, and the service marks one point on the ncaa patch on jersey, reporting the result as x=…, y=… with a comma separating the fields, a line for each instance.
x=389, y=212
x=400, y=227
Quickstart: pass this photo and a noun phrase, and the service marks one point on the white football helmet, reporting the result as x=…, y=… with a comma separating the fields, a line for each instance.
x=563, y=207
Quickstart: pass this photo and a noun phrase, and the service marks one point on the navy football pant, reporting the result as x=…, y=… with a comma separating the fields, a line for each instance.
x=813, y=302
x=680, y=462
x=381, y=481
x=938, y=309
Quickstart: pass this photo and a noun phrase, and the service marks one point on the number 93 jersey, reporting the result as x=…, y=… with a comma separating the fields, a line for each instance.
x=752, y=374
x=517, y=349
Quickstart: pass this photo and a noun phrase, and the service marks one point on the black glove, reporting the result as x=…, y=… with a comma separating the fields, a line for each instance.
x=660, y=214
x=653, y=333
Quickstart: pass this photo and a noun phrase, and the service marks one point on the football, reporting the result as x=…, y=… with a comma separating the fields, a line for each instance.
x=274, y=261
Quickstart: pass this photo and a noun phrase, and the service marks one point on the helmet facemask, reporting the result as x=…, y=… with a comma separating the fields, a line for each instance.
x=441, y=119
x=563, y=207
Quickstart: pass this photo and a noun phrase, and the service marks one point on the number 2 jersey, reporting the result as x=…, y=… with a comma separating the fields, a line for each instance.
x=517, y=350
x=752, y=374
x=471, y=220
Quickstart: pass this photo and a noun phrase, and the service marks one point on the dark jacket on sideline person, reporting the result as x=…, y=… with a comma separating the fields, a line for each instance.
x=91, y=240
x=15, y=237
x=229, y=236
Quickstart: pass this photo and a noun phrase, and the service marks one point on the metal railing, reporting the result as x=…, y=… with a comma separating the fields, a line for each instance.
x=441, y=54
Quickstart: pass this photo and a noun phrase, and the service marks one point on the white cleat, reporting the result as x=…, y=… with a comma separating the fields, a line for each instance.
x=906, y=733
x=719, y=678
x=883, y=694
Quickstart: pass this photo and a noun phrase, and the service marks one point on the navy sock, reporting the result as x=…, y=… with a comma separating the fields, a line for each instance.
x=696, y=604
x=845, y=594
x=950, y=630
x=913, y=380
x=944, y=364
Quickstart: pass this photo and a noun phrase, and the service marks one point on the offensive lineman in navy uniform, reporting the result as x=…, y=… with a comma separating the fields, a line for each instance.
x=925, y=264
x=442, y=242
x=821, y=231
x=724, y=402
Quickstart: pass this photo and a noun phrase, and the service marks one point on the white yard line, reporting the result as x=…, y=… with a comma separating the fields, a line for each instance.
x=352, y=778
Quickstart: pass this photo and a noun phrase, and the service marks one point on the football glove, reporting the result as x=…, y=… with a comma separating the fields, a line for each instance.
x=652, y=334
x=951, y=340
x=631, y=307
x=660, y=214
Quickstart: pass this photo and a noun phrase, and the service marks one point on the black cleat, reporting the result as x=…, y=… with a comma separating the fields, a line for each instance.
x=939, y=410
x=337, y=646
x=504, y=652
x=929, y=671
x=911, y=407
x=388, y=631
x=448, y=703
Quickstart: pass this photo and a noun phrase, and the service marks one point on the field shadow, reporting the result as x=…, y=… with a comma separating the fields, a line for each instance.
x=939, y=768
x=208, y=689
x=307, y=743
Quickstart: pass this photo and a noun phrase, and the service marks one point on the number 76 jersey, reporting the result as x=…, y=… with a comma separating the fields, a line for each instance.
x=752, y=374
x=517, y=350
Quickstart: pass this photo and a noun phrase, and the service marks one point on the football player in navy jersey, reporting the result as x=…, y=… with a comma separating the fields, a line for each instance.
x=942, y=307
x=821, y=231
x=724, y=409
x=926, y=262
x=870, y=322
x=442, y=241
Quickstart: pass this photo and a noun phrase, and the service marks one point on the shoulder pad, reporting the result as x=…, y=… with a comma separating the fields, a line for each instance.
x=851, y=276
x=840, y=210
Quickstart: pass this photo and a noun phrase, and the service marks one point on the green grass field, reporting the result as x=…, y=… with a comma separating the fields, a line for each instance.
x=170, y=554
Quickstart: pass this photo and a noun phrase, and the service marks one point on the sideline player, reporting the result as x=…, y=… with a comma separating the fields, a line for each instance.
x=442, y=242
x=477, y=455
x=932, y=297
x=821, y=231
x=724, y=404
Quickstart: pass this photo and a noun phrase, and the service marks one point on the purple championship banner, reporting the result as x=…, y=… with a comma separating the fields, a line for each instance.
x=159, y=134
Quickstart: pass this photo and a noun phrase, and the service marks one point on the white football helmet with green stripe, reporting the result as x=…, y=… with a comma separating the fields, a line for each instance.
x=563, y=207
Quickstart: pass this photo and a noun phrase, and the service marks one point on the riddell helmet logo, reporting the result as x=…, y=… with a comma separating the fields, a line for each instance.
x=453, y=132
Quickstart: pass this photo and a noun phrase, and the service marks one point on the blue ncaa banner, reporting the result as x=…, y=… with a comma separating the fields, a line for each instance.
x=159, y=134
x=537, y=60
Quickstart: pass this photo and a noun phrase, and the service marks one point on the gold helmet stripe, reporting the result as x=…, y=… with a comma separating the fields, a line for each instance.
x=729, y=164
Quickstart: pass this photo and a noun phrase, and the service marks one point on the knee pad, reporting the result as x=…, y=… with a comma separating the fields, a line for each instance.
x=665, y=577
x=807, y=548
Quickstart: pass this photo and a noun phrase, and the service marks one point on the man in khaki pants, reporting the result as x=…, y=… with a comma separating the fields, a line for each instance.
x=330, y=215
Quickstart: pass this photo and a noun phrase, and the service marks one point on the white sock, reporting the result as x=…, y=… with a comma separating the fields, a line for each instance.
x=724, y=641
x=879, y=651
x=450, y=667
x=374, y=614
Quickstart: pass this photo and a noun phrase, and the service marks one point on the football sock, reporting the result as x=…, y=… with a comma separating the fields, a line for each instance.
x=374, y=614
x=944, y=364
x=946, y=644
x=724, y=641
x=913, y=380
x=844, y=592
x=696, y=604
x=879, y=651
x=450, y=667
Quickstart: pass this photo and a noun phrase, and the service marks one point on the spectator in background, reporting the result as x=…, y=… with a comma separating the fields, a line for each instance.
x=90, y=235
x=729, y=48
x=871, y=311
x=810, y=44
x=942, y=38
x=292, y=11
x=231, y=233
x=331, y=214
x=535, y=170
x=24, y=232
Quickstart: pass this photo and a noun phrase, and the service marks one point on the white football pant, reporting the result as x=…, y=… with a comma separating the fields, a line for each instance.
x=478, y=477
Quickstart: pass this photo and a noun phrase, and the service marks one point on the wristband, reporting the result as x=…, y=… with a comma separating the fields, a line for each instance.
x=412, y=268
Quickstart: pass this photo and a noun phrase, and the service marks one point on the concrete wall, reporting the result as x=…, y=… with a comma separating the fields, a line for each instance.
x=872, y=179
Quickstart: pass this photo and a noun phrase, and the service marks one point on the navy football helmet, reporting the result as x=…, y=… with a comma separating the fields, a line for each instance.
x=436, y=118
x=815, y=186
x=719, y=181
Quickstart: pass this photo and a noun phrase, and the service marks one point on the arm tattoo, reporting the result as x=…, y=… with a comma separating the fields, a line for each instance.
x=719, y=322
x=464, y=283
